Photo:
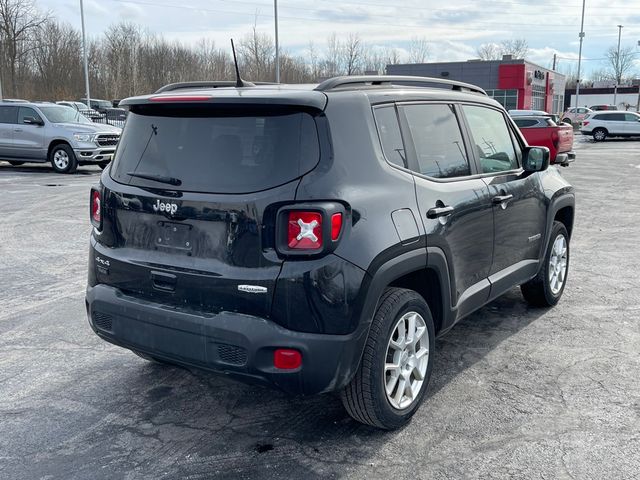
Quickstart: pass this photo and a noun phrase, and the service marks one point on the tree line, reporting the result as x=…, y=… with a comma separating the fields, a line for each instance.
x=41, y=58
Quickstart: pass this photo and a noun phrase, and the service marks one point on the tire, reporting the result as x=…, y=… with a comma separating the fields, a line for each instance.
x=566, y=120
x=599, y=134
x=15, y=163
x=365, y=398
x=104, y=165
x=543, y=291
x=63, y=159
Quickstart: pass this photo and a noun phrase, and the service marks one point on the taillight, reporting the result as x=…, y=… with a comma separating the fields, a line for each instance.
x=585, y=123
x=336, y=226
x=305, y=230
x=95, y=208
x=180, y=98
x=310, y=228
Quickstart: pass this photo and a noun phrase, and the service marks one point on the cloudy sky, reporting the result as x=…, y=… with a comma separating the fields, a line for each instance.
x=453, y=28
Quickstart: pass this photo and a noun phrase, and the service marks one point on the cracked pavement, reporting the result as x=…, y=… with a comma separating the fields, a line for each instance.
x=516, y=392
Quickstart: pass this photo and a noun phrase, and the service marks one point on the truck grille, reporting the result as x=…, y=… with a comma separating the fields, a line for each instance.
x=107, y=140
x=101, y=320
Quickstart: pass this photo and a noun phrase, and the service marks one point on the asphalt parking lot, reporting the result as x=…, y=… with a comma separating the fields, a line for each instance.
x=516, y=392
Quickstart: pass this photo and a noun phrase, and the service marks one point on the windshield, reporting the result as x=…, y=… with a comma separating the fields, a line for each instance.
x=62, y=114
x=216, y=151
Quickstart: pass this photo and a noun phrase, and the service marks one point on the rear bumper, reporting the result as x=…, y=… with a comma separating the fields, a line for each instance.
x=237, y=345
x=100, y=154
x=565, y=158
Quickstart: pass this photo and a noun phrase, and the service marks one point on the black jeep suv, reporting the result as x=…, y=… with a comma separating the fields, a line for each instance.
x=318, y=238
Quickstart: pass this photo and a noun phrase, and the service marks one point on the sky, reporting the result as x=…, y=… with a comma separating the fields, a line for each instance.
x=453, y=28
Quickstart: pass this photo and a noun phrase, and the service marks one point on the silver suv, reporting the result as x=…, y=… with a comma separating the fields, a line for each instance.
x=41, y=132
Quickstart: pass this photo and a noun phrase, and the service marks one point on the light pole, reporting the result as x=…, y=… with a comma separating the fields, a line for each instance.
x=84, y=55
x=275, y=11
x=581, y=36
x=618, y=72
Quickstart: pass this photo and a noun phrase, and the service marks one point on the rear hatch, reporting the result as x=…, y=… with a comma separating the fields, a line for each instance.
x=191, y=199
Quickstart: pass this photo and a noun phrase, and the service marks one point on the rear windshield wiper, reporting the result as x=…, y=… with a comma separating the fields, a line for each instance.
x=156, y=178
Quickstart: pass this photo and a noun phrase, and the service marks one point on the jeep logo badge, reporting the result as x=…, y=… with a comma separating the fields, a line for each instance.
x=165, y=207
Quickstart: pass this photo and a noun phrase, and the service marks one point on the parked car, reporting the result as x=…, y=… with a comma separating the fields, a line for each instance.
x=541, y=113
x=600, y=108
x=307, y=239
x=575, y=115
x=611, y=124
x=39, y=133
x=90, y=113
x=98, y=105
x=541, y=131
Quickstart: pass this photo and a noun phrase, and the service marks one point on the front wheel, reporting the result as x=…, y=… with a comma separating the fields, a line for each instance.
x=546, y=288
x=104, y=165
x=63, y=159
x=599, y=134
x=394, y=372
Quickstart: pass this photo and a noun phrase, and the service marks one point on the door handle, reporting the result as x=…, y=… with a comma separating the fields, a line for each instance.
x=437, y=212
x=502, y=198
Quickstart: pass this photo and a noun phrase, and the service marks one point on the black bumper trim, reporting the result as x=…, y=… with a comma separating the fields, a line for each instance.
x=193, y=339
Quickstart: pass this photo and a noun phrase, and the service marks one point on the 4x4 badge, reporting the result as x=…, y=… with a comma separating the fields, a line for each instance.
x=252, y=289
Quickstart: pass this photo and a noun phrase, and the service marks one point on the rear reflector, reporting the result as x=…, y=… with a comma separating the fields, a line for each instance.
x=585, y=123
x=336, y=226
x=180, y=98
x=95, y=208
x=305, y=230
x=287, y=359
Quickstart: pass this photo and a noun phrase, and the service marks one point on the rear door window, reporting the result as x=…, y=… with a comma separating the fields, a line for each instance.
x=437, y=138
x=8, y=114
x=25, y=112
x=222, y=150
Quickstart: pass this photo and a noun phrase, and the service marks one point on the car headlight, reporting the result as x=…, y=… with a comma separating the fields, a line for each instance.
x=84, y=137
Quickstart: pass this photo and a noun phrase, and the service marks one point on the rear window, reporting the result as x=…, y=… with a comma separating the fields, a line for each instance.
x=610, y=117
x=223, y=150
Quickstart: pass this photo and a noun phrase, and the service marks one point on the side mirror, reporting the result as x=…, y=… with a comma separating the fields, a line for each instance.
x=535, y=159
x=32, y=121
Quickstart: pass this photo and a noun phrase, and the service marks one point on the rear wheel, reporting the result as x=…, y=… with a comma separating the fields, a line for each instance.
x=104, y=165
x=546, y=288
x=567, y=120
x=599, y=134
x=394, y=372
x=15, y=163
x=63, y=159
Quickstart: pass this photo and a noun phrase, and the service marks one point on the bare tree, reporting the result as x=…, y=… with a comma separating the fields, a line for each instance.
x=418, y=50
x=489, y=51
x=257, y=55
x=20, y=23
x=352, y=54
x=517, y=48
x=619, y=66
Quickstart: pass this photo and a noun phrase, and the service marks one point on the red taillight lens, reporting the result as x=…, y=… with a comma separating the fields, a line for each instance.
x=336, y=226
x=180, y=98
x=95, y=208
x=304, y=230
x=585, y=123
x=287, y=359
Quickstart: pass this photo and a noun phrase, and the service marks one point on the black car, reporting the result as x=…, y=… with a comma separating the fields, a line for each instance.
x=319, y=238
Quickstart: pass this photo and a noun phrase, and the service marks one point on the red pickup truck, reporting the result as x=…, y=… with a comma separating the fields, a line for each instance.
x=542, y=131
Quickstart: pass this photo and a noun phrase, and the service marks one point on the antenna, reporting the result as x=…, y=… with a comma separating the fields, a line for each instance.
x=239, y=82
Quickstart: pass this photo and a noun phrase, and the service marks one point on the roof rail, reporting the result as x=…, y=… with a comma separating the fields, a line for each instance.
x=378, y=80
x=203, y=84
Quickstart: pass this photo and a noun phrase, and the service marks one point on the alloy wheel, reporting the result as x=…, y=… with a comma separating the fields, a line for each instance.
x=61, y=159
x=558, y=264
x=407, y=359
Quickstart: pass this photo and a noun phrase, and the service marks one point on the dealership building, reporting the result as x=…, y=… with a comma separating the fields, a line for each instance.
x=515, y=83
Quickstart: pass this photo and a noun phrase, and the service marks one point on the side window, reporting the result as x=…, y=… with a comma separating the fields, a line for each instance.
x=492, y=139
x=27, y=112
x=630, y=117
x=521, y=123
x=8, y=114
x=390, y=137
x=438, y=141
x=582, y=110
